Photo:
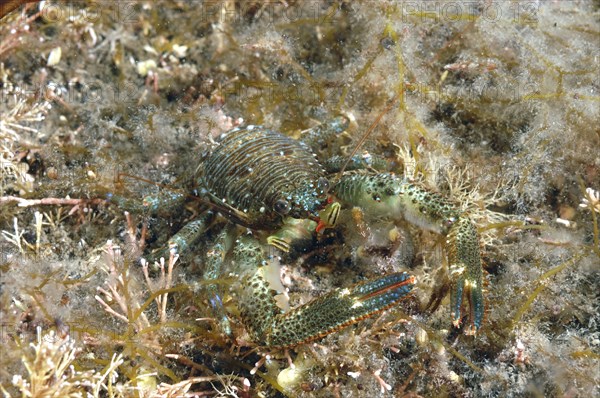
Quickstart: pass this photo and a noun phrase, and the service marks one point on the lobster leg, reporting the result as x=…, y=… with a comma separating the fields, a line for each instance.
x=214, y=269
x=319, y=136
x=256, y=301
x=186, y=238
x=160, y=204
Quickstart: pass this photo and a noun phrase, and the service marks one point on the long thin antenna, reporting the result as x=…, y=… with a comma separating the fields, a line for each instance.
x=366, y=135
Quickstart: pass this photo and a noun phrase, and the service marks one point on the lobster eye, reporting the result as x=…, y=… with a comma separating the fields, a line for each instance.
x=282, y=206
x=323, y=184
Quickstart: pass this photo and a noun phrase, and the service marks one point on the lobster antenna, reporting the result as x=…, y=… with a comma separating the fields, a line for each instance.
x=367, y=134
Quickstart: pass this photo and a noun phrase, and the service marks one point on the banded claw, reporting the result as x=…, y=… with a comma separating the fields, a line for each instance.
x=466, y=270
x=387, y=196
x=336, y=310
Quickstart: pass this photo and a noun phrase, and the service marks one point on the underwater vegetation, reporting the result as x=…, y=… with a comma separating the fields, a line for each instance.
x=108, y=110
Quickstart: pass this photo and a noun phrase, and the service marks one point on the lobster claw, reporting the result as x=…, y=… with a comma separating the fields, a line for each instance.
x=466, y=270
x=335, y=310
x=385, y=195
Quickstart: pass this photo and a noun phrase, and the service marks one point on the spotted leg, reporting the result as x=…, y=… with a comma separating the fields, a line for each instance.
x=214, y=267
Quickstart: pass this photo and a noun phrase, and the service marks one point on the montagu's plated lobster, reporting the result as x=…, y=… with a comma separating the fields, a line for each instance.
x=273, y=185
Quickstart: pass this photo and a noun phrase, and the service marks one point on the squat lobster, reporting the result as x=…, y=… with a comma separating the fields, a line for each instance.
x=275, y=186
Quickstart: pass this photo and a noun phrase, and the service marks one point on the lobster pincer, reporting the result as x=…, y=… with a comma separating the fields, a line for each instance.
x=337, y=309
x=387, y=196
